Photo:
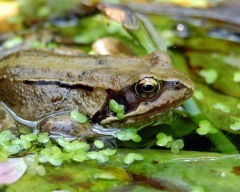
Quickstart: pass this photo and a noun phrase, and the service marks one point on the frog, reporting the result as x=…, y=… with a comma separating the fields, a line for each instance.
x=40, y=88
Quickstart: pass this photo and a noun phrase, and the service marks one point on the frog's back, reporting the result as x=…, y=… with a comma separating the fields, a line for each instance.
x=34, y=83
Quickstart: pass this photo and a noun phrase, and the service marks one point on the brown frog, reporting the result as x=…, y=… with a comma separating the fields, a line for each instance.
x=40, y=88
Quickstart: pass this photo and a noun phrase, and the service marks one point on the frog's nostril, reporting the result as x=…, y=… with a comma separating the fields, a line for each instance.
x=177, y=85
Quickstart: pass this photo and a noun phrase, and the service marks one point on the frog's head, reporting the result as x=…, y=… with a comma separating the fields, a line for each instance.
x=150, y=93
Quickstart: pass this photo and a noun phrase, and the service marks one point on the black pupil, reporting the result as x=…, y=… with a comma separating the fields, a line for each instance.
x=147, y=88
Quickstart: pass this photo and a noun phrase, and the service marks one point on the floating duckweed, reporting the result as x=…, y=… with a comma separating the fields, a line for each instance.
x=16, y=19
x=108, y=152
x=25, y=144
x=205, y=127
x=13, y=149
x=238, y=105
x=128, y=134
x=45, y=151
x=98, y=143
x=100, y=157
x=29, y=137
x=41, y=170
x=34, y=168
x=113, y=105
x=236, y=76
x=197, y=189
x=37, y=45
x=79, y=117
x=198, y=95
x=131, y=157
x=56, y=150
x=176, y=146
x=92, y=154
x=80, y=156
x=202, y=131
x=80, y=145
x=104, y=175
x=43, y=138
x=62, y=141
x=12, y=42
x=43, y=158
x=69, y=147
x=16, y=141
x=75, y=145
x=163, y=139
x=235, y=126
x=120, y=115
x=55, y=160
x=210, y=75
x=222, y=107
x=5, y=135
x=52, y=45
x=116, y=108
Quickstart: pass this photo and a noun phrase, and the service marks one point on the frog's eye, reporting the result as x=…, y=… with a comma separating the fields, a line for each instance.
x=147, y=88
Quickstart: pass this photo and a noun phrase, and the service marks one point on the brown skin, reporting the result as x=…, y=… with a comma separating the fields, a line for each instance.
x=36, y=83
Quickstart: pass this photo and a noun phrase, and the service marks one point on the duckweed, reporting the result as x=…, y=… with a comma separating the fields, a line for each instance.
x=198, y=95
x=176, y=146
x=222, y=107
x=163, y=139
x=131, y=157
x=197, y=189
x=210, y=75
x=43, y=138
x=205, y=127
x=13, y=42
x=5, y=135
x=128, y=134
x=236, y=77
x=235, y=126
x=79, y=117
x=238, y=105
x=98, y=143
x=117, y=108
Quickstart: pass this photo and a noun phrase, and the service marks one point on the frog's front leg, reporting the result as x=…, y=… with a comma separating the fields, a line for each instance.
x=63, y=125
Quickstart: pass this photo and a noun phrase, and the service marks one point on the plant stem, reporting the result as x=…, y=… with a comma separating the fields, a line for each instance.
x=222, y=143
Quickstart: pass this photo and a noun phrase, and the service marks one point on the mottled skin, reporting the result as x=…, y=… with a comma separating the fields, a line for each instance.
x=35, y=83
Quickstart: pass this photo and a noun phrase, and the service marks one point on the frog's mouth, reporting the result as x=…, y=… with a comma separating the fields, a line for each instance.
x=147, y=112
